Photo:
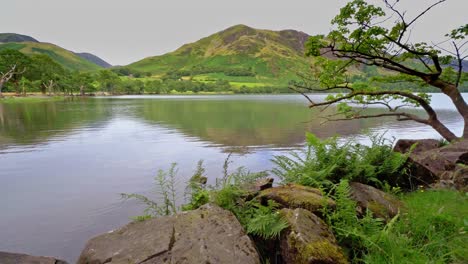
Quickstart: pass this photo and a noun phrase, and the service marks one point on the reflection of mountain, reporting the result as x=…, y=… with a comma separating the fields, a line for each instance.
x=246, y=123
x=30, y=123
x=236, y=124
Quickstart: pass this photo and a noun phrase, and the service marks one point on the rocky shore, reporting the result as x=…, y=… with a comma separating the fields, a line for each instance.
x=211, y=234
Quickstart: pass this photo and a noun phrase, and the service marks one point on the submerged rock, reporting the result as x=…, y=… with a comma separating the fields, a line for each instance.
x=381, y=204
x=308, y=240
x=16, y=258
x=209, y=234
x=297, y=196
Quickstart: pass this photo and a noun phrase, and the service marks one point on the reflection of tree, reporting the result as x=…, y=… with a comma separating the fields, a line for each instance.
x=30, y=123
x=247, y=123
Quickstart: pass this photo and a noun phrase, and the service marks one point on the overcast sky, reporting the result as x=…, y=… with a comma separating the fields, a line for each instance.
x=124, y=31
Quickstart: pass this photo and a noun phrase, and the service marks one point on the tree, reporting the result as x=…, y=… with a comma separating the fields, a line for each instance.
x=83, y=81
x=108, y=81
x=5, y=77
x=13, y=59
x=365, y=34
x=47, y=71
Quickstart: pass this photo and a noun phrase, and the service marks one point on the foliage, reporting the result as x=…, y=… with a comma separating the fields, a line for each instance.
x=228, y=193
x=432, y=229
x=327, y=162
x=165, y=183
x=258, y=219
x=355, y=234
x=377, y=38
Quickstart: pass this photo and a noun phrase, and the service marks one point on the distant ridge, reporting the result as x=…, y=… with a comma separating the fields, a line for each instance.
x=68, y=59
x=13, y=37
x=94, y=59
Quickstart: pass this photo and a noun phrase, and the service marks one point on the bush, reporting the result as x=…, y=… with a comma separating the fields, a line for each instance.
x=327, y=162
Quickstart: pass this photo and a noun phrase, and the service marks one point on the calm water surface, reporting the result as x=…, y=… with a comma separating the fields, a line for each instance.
x=63, y=164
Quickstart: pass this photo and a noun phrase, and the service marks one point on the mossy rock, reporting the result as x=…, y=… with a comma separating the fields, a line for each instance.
x=381, y=204
x=297, y=196
x=308, y=240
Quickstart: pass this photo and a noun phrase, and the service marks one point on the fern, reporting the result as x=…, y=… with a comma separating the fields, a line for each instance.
x=326, y=162
x=166, y=189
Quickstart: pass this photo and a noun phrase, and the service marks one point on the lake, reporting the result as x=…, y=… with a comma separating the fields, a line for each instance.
x=63, y=164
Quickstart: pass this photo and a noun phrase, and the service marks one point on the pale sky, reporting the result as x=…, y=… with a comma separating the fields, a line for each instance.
x=124, y=31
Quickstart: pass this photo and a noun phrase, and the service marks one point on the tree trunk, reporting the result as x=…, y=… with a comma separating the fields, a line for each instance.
x=1, y=87
x=442, y=130
x=82, y=90
x=460, y=104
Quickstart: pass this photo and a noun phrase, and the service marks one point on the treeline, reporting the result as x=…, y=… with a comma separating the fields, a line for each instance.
x=40, y=73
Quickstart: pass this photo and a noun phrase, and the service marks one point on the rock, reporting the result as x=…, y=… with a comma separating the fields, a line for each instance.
x=381, y=204
x=15, y=258
x=263, y=184
x=258, y=185
x=431, y=166
x=209, y=234
x=308, y=240
x=460, y=178
x=297, y=196
x=455, y=180
x=404, y=145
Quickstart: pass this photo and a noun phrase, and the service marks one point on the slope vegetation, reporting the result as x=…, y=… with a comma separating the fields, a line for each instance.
x=239, y=54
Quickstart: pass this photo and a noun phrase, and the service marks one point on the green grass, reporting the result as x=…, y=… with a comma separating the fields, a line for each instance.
x=33, y=99
x=431, y=230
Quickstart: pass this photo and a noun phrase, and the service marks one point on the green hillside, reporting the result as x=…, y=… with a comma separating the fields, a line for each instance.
x=66, y=58
x=240, y=54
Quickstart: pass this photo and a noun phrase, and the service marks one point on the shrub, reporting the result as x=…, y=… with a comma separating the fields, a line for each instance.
x=327, y=162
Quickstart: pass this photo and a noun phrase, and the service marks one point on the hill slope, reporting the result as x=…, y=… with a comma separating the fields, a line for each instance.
x=66, y=58
x=237, y=54
x=94, y=59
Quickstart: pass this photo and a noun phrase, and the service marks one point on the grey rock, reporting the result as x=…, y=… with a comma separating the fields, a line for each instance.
x=16, y=258
x=404, y=145
x=209, y=234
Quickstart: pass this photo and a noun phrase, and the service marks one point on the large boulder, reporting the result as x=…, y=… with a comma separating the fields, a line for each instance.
x=308, y=240
x=381, y=204
x=436, y=166
x=15, y=258
x=209, y=234
x=405, y=145
x=297, y=196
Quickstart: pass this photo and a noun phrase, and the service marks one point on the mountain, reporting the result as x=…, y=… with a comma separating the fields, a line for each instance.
x=66, y=58
x=94, y=59
x=13, y=37
x=240, y=54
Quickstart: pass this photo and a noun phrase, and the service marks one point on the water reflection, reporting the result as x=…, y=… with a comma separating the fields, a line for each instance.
x=63, y=164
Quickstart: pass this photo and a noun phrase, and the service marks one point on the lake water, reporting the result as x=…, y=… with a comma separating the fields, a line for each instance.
x=63, y=164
